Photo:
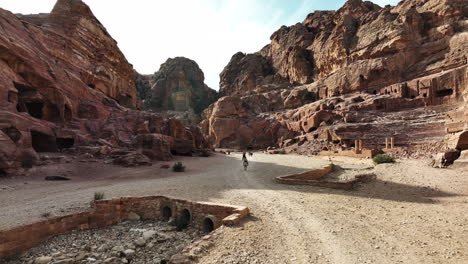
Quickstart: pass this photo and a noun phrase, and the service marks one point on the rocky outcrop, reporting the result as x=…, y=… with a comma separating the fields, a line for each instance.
x=229, y=123
x=64, y=82
x=143, y=85
x=359, y=47
x=361, y=72
x=178, y=86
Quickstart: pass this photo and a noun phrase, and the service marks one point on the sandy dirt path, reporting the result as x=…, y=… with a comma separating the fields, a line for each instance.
x=410, y=214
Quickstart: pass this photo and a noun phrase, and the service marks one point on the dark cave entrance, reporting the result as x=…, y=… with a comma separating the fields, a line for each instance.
x=42, y=142
x=65, y=143
x=67, y=113
x=463, y=141
x=35, y=109
x=444, y=92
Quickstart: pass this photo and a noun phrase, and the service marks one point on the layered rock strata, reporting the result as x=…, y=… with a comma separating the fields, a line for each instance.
x=361, y=72
x=64, y=82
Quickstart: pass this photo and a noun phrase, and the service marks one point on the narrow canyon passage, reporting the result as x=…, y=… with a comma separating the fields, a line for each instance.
x=404, y=210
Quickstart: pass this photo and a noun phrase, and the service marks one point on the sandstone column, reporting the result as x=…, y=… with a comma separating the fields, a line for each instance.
x=391, y=142
x=386, y=143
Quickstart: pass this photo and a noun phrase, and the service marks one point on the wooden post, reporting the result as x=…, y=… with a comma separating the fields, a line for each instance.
x=386, y=143
x=392, y=142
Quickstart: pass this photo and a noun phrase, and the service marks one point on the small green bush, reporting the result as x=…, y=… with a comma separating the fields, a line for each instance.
x=382, y=158
x=282, y=151
x=98, y=196
x=178, y=167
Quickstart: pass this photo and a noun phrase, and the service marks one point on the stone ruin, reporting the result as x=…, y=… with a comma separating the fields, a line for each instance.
x=200, y=215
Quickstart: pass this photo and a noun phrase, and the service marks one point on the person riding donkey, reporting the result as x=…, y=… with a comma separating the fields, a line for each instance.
x=245, y=162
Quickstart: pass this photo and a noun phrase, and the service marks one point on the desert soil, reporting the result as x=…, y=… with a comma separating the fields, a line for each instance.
x=411, y=213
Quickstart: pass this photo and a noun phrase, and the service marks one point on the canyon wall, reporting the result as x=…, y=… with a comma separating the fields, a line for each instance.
x=363, y=71
x=64, y=82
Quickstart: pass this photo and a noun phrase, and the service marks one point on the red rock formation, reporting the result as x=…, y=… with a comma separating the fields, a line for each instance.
x=361, y=46
x=229, y=124
x=63, y=81
x=177, y=90
x=368, y=67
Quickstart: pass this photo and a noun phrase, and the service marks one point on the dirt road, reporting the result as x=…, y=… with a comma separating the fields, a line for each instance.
x=410, y=214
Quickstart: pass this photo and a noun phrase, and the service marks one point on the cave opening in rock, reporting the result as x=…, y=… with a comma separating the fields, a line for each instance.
x=3, y=173
x=463, y=141
x=208, y=225
x=166, y=213
x=65, y=143
x=35, y=109
x=42, y=142
x=67, y=114
x=444, y=92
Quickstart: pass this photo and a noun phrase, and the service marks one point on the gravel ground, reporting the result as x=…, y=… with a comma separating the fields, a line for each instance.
x=411, y=213
x=136, y=242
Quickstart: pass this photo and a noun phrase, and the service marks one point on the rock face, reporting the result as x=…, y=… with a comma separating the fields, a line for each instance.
x=359, y=47
x=361, y=72
x=64, y=82
x=229, y=123
x=178, y=86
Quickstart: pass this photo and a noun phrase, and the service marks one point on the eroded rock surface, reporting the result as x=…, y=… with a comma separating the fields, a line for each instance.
x=63, y=83
x=361, y=72
x=177, y=89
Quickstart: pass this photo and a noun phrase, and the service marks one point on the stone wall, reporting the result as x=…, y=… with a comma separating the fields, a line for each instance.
x=110, y=212
x=315, y=178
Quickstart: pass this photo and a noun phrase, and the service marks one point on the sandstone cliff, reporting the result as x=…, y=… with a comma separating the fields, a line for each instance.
x=64, y=82
x=359, y=47
x=177, y=89
x=361, y=72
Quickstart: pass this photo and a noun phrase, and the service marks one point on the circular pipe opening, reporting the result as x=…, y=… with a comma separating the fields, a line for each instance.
x=166, y=213
x=184, y=220
x=208, y=225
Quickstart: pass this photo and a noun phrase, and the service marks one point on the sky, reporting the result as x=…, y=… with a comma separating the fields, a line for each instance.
x=208, y=31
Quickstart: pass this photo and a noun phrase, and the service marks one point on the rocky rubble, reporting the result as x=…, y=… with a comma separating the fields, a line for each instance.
x=138, y=242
